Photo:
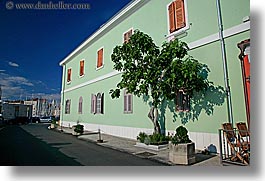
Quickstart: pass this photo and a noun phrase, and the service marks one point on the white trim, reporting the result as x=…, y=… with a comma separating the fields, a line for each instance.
x=103, y=77
x=193, y=45
x=102, y=28
x=182, y=30
x=215, y=37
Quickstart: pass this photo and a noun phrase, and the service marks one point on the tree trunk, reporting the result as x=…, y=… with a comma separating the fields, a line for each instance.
x=153, y=115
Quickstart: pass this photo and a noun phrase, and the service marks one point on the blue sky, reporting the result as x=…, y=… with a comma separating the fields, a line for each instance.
x=34, y=41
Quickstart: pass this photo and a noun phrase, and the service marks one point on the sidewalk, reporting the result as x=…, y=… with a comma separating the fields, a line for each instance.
x=128, y=146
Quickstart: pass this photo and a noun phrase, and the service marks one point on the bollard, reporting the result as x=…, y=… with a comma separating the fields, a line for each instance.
x=99, y=137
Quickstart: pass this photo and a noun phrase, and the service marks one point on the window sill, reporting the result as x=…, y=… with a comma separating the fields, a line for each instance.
x=178, y=32
x=81, y=76
x=98, y=68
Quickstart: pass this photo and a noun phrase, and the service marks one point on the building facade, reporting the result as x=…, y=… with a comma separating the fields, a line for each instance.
x=88, y=73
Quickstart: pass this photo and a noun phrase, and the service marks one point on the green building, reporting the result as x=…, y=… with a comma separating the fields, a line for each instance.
x=88, y=73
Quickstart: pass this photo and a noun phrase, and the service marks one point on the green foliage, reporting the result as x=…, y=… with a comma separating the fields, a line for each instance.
x=147, y=70
x=154, y=139
x=141, y=137
x=181, y=136
x=79, y=128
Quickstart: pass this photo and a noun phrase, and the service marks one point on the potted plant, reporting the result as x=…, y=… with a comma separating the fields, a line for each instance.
x=78, y=129
x=155, y=141
x=181, y=148
x=53, y=124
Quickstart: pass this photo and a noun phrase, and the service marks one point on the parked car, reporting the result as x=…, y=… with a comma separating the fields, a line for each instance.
x=46, y=119
x=35, y=120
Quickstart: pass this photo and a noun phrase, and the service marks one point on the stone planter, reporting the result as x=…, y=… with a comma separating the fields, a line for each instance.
x=75, y=133
x=52, y=126
x=183, y=154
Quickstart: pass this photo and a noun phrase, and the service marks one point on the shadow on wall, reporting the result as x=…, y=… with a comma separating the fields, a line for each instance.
x=202, y=101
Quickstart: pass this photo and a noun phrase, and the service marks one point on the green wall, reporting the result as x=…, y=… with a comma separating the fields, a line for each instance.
x=152, y=19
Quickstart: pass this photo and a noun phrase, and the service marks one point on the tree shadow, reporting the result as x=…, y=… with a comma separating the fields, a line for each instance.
x=200, y=102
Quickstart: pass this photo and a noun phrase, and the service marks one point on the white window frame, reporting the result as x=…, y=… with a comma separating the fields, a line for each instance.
x=71, y=76
x=126, y=106
x=80, y=76
x=98, y=68
x=66, y=106
x=80, y=105
x=182, y=30
x=127, y=32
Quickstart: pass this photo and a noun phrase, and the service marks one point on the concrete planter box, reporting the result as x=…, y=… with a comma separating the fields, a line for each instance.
x=75, y=133
x=52, y=126
x=183, y=154
x=152, y=147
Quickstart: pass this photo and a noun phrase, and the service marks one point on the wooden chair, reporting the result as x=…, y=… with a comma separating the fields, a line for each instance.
x=236, y=146
x=244, y=135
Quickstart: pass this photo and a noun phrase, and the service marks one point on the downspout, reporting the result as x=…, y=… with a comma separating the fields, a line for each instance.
x=224, y=59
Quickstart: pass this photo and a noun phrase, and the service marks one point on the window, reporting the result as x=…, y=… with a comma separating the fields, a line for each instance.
x=69, y=75
x=80, y=105
x=128, y=102
x=97, y=103
x=67, y=106
x=176, y=15
x=82, y=67
x=127, y=35
x=100, y=58
x=182, y=101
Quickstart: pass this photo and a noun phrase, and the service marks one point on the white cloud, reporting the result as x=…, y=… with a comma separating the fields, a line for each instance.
x=12, y=85
x=13, y=64
x=2, y=70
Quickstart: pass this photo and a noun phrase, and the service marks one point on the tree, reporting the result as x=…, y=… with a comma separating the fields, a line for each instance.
x=147, y=70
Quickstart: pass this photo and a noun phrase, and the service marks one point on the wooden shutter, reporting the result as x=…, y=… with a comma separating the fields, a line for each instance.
x=80, y=105
x=102, y=104
x=127, y=35
x=129, y=109
x=125, y=102
x=100, y=58
x=69, y=71
x=171, y=15
x=93, y=103
x=179, y=101
x=82, y=64
x=179, y=14
x=186, y=102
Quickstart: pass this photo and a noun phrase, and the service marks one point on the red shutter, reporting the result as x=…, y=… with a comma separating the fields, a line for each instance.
x=100, y=58
x=171, y=16
x=247, y=86
x=179, y=14
x=69, y=75
x=82, y=67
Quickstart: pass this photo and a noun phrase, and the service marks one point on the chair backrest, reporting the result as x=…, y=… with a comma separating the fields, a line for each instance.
x=242, y=129
x=228, y=129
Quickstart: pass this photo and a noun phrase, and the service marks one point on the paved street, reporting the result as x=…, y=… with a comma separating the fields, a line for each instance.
x=34, y=144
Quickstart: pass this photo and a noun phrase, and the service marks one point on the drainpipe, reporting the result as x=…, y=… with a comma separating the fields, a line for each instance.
x=224, y=59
